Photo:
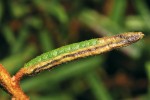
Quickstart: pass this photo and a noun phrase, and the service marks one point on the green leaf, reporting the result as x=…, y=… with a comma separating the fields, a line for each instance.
x=99, y=23
x=19, y=10
x=53, y=8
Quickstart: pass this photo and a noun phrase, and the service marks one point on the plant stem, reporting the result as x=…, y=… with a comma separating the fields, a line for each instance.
x=11, y=85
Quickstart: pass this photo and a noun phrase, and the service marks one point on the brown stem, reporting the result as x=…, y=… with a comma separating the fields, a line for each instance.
x=19, y=75
x=11, y=85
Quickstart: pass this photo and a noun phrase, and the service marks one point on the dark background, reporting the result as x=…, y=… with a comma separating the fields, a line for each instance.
x=30, y=27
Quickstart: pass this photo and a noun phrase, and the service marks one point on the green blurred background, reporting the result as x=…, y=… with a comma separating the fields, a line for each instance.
x=31, y=27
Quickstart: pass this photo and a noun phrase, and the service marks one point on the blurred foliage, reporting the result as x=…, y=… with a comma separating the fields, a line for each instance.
x=31, y=27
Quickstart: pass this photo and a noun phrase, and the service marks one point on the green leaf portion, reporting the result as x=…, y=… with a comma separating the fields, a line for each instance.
x=97, y=86
x=147, y=67
x=62, y=50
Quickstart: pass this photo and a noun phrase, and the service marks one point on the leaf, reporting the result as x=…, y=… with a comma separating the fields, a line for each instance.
x=53, y=8
x=80, y=50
